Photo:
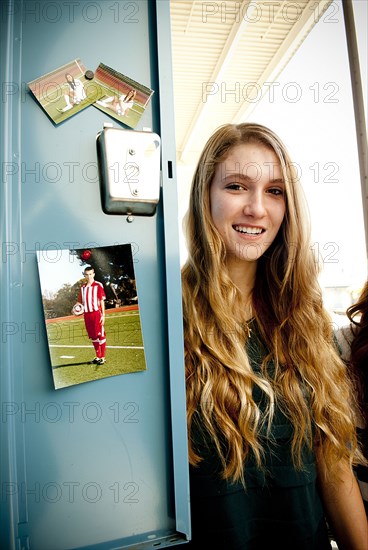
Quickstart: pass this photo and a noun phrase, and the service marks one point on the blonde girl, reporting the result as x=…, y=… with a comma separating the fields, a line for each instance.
x=271, y=430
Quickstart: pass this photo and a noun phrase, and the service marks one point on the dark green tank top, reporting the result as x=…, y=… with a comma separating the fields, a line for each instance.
x=279, y=506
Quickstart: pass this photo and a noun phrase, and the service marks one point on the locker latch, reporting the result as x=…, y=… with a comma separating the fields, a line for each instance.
x=129, y=171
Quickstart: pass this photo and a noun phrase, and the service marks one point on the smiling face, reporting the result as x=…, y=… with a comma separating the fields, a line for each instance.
x=247, y=201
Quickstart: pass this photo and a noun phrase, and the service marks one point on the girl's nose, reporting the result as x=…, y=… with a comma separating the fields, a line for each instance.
x=255, y=205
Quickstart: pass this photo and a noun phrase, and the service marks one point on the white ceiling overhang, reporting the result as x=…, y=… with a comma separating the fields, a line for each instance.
x=226, y=56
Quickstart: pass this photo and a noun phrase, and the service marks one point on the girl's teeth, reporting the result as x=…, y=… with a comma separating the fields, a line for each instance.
x=250, y=230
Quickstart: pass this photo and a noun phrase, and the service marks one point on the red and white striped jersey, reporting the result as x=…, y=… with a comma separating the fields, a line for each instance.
x=91, y=295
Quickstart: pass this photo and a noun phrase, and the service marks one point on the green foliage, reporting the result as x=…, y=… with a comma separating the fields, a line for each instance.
x=61, y=305
x=114, y=268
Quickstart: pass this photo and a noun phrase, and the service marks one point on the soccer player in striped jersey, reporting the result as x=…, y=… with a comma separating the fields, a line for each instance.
x=92, y=296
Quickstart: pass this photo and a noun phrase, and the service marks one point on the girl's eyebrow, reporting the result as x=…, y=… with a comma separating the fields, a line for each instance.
x=278, y=180
x=230, y=176
x=246, y=178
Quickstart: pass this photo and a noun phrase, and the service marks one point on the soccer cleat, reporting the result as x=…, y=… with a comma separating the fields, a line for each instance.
x=94, y=361
x=101, y=361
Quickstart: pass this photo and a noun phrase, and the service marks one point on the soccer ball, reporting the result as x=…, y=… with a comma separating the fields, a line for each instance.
x=86, y=254
x=78, y=309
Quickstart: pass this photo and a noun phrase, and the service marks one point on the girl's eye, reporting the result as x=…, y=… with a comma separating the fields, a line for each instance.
x=276, y=191
x=235, y=187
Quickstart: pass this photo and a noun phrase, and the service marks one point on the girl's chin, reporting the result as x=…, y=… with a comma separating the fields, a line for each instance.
x=248, y=252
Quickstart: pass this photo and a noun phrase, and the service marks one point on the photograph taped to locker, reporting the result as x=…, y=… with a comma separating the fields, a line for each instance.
x=72, y=336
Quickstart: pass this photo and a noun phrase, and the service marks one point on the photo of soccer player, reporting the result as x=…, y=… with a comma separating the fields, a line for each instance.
x=92, y=313
x=66, y=90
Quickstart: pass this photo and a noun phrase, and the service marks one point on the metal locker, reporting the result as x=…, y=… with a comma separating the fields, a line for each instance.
x=103, y=464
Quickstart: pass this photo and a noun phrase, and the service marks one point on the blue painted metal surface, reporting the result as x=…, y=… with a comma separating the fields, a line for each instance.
x=102, y=464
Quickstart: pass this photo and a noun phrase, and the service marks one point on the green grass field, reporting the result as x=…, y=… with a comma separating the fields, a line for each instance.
x=71, y=350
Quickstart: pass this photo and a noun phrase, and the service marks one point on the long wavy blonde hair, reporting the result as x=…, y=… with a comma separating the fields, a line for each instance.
x=309, y=382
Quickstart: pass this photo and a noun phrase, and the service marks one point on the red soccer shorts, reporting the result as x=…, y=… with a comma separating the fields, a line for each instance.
x=93, y=324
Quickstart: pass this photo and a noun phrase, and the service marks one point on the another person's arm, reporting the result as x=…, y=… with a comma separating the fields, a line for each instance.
x=344, y=507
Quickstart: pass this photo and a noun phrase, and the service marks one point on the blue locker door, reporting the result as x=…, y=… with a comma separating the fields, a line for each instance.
x=101, y=464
